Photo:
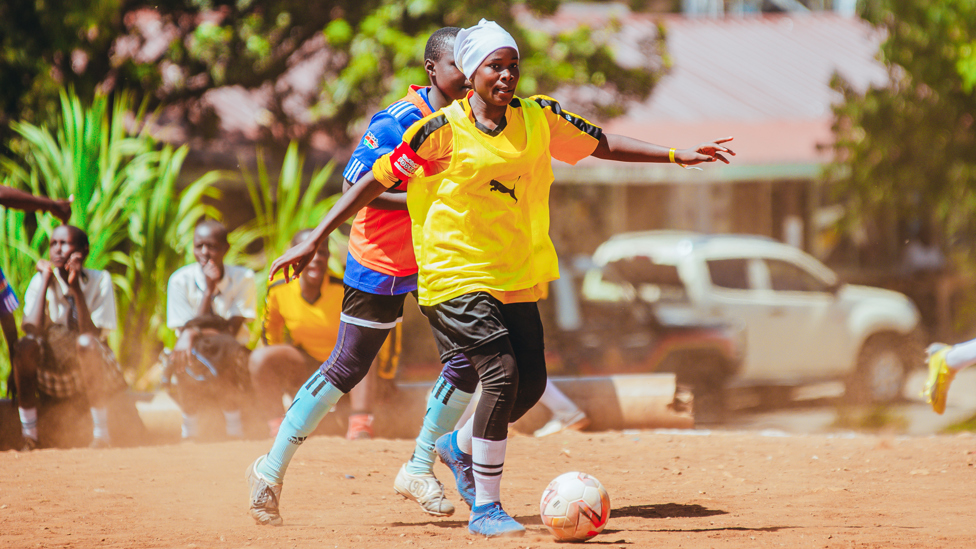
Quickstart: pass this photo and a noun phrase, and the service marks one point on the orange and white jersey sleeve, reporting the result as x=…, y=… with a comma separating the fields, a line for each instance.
x=426, y=150
x=572, y=137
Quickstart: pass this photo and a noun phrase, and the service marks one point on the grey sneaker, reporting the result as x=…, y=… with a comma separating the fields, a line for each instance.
x=264, y=496
x=425, y=490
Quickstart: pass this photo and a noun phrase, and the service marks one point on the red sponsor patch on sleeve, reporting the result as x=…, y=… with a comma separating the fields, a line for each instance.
x=405, y=162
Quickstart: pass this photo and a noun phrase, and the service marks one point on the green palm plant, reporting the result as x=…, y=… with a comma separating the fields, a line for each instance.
x=24, y=247
x=282, y=211
x=93, y=156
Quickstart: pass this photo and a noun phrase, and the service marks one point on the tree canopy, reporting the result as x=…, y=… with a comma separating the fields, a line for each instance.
x=174, y=51
x=909, y=150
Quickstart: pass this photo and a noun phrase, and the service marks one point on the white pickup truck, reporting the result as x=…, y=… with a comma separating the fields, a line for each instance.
x=800, y=324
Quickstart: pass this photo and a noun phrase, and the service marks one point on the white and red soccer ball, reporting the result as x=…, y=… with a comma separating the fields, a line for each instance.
x=575, y=507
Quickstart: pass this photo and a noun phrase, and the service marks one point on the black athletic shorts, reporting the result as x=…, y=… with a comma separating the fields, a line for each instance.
x=471, y=320
x=371, y=310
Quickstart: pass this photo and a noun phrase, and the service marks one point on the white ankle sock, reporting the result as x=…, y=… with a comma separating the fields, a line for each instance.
x=28, y=422
x=488, y=459
x=464, y=436
x=100, y=423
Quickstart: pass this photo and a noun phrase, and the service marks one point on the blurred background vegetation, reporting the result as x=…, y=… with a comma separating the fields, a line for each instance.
x=374, y=48
x=908, y=151
x=83, y=84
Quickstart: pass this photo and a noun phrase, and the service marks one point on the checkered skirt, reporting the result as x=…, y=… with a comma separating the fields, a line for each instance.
x=61, y=375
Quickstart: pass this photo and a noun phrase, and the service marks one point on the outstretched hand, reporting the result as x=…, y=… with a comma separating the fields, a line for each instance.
x=706, y=152
x=297, y=258
x=61, y=209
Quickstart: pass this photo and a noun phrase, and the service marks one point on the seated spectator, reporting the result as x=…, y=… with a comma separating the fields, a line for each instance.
x=207, y=303
x=21, y=200
x=301, y=325
x=67, y=310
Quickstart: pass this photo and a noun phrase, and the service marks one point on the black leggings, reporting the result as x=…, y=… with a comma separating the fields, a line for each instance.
x=511, y=383
x=504, y=343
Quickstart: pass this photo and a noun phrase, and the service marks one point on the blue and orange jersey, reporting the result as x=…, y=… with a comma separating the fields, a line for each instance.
x=380, y=239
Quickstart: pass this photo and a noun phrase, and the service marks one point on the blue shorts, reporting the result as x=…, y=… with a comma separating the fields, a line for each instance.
x=365, y=279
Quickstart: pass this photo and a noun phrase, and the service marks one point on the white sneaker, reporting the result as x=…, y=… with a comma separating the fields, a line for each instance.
x=424, y=489
x=576, y=422
x=264, y=496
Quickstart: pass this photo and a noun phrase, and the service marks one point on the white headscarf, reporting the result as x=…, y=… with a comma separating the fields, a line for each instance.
x=474, y=44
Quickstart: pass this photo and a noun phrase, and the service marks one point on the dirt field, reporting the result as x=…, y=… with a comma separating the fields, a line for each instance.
x=681, y=489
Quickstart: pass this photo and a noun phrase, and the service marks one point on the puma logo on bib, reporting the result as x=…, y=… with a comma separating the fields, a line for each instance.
x=496, y=186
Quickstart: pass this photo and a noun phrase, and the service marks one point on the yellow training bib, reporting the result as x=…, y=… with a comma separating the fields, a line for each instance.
x=483, y=223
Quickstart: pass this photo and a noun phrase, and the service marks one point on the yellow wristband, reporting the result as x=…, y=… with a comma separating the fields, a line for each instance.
x=673, y=161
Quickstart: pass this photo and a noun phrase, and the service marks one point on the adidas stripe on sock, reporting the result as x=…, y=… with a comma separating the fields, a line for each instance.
x=311, y=404
x=445, y=405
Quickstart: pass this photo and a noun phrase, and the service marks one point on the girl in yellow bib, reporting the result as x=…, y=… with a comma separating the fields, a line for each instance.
x=479, y=174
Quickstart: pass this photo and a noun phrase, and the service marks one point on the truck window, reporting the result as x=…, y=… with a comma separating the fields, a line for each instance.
x=595, y=288
x=634, y=277
x=653, y=282
x=787, y=277
x=729, y=273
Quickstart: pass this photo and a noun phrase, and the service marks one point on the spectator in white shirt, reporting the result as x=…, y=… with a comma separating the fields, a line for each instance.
x=67, y=311
x=208, y=304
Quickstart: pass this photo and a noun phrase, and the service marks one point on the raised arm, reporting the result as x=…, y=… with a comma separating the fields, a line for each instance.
x=21, y=200
x=389, y=200
x=297, y=257
x=626, y=149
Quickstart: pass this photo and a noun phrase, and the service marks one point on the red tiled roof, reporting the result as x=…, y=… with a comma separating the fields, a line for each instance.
x=763, y=79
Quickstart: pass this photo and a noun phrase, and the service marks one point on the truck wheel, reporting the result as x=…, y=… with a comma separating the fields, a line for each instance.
x=881, y=372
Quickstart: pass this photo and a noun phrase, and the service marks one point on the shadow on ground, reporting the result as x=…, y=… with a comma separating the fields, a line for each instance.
x=665, y=510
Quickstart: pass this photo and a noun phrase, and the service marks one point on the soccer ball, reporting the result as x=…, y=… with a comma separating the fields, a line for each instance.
x=575, y=507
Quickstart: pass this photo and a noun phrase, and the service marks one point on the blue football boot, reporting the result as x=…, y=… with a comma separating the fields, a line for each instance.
x=491, y=521
x=459, y=463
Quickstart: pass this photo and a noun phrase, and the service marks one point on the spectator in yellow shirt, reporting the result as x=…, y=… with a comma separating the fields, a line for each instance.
x=301, y=323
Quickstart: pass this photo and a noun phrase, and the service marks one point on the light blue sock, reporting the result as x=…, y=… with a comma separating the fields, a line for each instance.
x=310, y=405
x=445, y=405
x=100, y=423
